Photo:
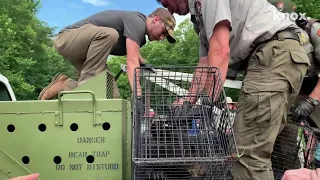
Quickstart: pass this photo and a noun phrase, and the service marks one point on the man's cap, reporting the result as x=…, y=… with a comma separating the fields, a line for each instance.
x=169, y=22
x=285, y=6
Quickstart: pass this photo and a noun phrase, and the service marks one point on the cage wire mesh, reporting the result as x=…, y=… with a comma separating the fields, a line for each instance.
x=313, y=155
x=297, y=146
x=111, y=86
x=186, y=141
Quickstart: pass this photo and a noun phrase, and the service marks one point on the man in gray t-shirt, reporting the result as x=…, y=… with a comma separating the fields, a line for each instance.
x=88, y=43
x=250, y=35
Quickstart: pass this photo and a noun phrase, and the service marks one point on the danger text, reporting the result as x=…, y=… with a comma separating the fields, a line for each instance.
x=90, y=140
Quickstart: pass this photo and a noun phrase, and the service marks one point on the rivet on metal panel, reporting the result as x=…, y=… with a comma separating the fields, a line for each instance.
x=99, y=117
x=56, y=118
x=60, y=122
x=15, y=161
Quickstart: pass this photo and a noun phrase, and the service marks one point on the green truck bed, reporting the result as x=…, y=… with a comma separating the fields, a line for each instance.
x=77, y=136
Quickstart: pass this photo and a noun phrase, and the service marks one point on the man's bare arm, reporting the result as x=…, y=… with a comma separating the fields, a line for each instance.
x=133, y=58
x=219, y=50
x=218, y=56
x=315, y=94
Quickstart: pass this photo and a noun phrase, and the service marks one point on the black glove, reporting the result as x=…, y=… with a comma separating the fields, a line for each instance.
x=303, y=109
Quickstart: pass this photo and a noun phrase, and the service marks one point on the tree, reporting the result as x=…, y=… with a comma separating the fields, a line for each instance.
x=310, y=7
x=27, y=56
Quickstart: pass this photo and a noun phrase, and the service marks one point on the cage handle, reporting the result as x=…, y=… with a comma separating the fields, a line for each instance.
x=60, y=121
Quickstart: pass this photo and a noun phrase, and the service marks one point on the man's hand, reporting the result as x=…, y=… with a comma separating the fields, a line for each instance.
x=133, y=61
x=141, y=60
x=27, y=177
x=303, y=109
x=181, y=107
x=180, y=101
x=301, y=174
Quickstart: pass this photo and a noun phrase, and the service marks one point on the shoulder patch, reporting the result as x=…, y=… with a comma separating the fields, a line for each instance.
x=303, y=38
x=318, y=32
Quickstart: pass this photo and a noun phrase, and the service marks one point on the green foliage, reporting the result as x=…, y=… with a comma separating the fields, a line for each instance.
x=310, y=7
x=27, y=57
x=114, y=64
x=29, y=61
x=183, y=52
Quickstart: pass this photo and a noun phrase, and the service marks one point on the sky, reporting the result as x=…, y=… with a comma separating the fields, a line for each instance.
x=60, y=13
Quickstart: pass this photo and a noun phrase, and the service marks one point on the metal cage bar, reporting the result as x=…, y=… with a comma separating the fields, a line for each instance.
x=169, y=137
x=297, y=146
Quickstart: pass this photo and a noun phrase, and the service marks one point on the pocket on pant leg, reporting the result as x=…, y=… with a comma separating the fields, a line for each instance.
x=256, y=107
x=299, y=66
x=300, y=57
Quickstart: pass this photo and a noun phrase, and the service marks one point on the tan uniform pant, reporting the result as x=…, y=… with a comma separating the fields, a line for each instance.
x=87, y=49
x=274, y=77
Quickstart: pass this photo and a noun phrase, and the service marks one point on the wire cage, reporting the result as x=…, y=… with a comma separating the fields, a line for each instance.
x=297, y=146
x=190, y=139
x=313, y=151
